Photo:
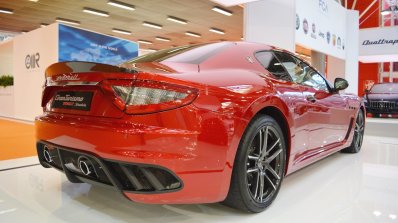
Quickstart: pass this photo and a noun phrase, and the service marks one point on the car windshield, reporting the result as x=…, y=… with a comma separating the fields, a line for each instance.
x=385, y=88
x=194, y=54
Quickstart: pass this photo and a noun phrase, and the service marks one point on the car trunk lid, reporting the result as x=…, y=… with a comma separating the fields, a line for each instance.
x=79, y=88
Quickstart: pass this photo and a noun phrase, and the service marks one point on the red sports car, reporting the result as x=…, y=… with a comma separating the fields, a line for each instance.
x=195, y=124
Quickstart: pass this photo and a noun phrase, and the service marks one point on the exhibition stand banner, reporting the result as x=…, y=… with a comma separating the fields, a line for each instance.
x=34, y=51
x=321, y=26
x=378, y=44
x=82, y=45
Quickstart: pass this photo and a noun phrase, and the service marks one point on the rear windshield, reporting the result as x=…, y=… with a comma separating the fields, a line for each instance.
x=385, y=88
x=193, y=54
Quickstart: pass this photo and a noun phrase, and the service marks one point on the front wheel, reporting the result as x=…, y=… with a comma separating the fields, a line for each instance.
x=259, y=166
x=359, y=130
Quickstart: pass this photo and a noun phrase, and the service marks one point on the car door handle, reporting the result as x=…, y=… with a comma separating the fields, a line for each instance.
x=311, y=98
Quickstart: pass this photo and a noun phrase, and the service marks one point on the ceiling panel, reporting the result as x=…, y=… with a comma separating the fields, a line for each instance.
x=28, y=16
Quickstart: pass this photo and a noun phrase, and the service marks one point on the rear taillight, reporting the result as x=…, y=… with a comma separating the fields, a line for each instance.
x=140, y=97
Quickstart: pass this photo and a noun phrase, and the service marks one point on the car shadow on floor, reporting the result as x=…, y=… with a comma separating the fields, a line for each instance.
x=308, y=183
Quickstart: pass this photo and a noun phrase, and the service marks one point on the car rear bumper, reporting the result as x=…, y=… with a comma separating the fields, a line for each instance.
x=173, y=165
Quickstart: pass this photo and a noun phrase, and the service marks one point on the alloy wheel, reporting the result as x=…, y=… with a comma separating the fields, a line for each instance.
x=359, y=130
x=264, y=164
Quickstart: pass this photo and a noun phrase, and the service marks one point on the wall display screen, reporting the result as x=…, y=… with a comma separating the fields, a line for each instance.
x=5, y=36
x=81, y=45
x=321, y=26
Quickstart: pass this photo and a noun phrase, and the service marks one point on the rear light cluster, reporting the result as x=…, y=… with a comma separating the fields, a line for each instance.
x=141, y=97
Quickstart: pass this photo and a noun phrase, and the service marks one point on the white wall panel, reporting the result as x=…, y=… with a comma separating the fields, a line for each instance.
x=41, y=44
x=271, y=22
x=378, y=44
x=336, y=68
x=6, y=49
x=6, y=68
x=352, y=51
x=321, y=26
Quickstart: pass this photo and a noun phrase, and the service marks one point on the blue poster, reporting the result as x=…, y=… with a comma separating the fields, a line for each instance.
x=81, y=45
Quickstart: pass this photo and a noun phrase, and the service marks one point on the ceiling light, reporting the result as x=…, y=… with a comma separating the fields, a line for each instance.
x=144, y=41
x=122, y=5
x=389, y=10
x=386, y=12
x=162, y=39
x=68, y=21
x=222, y=11
x=121, y=31
x=377, y=213
x=192, y=34
x=33, y=0
x=152, y=25
x=96, y=12
x=177, y=20
x=7, y=11
x=218, y=31
x=149, y=50
x=43, y=25
x=229, y=3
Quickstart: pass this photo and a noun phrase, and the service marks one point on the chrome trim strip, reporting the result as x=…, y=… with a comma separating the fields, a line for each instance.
x=71, y=83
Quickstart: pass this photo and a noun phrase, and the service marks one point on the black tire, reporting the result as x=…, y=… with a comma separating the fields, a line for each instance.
x=359, y=130
x=254, y=170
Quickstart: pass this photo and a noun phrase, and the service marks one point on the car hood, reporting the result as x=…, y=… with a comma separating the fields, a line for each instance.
x=385, y=96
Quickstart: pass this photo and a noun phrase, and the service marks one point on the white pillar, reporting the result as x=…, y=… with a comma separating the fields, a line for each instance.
x=318, y=61
x=336, y=68
x=271, y=22
x=352, y=51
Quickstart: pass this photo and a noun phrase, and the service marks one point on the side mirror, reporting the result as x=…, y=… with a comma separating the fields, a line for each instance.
x=340, y=84
x=367, y=91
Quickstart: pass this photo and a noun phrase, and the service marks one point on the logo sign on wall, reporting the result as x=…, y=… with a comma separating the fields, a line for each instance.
x=378, y=44
x=32, y=61
x=323, y=26
x=323, y=6
x=81, y=45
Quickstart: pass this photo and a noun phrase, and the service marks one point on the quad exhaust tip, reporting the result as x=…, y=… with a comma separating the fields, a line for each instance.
x=47, y=155
x=85, y=166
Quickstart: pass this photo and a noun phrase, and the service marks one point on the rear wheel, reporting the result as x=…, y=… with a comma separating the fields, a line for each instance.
x=259, y=166
x=359, y=130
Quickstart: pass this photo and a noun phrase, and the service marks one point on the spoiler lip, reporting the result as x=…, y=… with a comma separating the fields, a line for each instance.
x=69, y=67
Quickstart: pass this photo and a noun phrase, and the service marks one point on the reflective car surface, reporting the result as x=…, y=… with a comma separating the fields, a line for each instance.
x=195, y=124
x=382, y=99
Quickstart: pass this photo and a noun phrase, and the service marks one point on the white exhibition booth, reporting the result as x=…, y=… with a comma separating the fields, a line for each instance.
x=378, y=44
x=26, y=57
x=323, y=26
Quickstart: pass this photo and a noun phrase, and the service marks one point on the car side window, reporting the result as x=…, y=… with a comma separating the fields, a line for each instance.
x=272, y=64
x=302, y=73
x=312, y=78
x=290, y=64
